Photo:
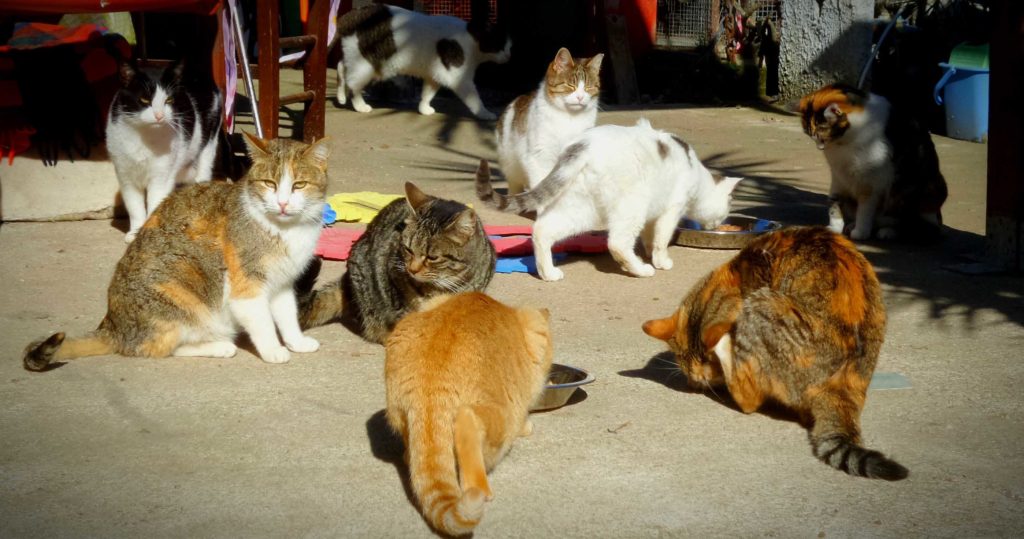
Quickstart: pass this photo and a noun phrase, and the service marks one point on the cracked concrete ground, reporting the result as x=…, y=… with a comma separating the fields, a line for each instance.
x=123, y=447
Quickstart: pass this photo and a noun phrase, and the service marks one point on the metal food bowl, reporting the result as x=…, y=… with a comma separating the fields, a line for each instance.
x=563, y=381
x=690, y=233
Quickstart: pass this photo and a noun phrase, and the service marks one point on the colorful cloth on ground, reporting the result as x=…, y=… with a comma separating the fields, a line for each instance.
x=512, y=244
x=359, y=207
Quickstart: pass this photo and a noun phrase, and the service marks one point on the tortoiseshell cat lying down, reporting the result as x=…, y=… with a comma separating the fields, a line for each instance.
x=796, y=317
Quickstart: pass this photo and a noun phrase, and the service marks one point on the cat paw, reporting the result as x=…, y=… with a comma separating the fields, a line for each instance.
x=662, y=262
x=130, y=236
x=427, y=110
x=645, y=270
x=341, y=98
x=222, y=349
x=276, y=355
x=553, y=274
x=887, y=233
x=859, y=233
x=361, y=107
x=527, y=429
x=486, y=115
x=304, y=344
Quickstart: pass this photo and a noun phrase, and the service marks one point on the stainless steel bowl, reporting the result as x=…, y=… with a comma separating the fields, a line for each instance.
x=563, y=381
x=690, y=233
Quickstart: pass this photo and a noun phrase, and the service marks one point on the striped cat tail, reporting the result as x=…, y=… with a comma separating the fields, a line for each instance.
x=40, y=354
x=321, y=306
x=840, y=451
x=432, y=470
x=569, y=165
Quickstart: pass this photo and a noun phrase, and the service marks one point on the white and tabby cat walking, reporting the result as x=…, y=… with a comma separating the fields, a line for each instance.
x=213, y=258
x=379, y=42
x=160, y=133
x=534, y=128
x=631, y=181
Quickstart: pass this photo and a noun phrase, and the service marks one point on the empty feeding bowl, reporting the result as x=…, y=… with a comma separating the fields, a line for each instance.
x=563, y=381
x=734, y=233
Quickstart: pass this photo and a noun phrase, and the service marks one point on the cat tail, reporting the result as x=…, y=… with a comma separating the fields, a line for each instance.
x=568, y=167
x=40, y=354
x=321, y=306
x=434, y=441
x=840, y=451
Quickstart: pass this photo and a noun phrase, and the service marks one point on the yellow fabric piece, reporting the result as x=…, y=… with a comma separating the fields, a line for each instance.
x=359, y=207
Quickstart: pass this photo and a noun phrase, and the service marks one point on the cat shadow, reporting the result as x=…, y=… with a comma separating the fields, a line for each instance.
x=387, y=446
x=662, y=368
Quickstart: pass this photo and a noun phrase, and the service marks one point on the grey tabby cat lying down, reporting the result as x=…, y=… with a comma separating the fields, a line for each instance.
x=414, y=249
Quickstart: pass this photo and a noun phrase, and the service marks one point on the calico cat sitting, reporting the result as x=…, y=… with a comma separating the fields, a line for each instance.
x=414, y=249
x=380, y=41
x=161, y=132
x=628, y=180
x=212, y=258
x=797, y=318
x=885, y=172
x=534, y=128
x=460, y=375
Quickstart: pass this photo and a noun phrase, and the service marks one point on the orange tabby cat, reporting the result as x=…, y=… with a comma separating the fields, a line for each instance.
x=461, y=374
x=796, y=317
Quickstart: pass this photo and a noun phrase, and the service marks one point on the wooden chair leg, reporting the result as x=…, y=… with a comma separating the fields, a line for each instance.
x=314, y=72
x=267, y=32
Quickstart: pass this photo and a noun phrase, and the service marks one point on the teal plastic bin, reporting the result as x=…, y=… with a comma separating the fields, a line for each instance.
x=963, y=89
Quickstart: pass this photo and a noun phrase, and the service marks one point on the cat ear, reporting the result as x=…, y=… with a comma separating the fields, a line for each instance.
x=177, y=69
x=833, y=112
x=728, y=183
x=562, y=61
x=462, y=228
x=714, y=333
x=594, y=64
x=257, y=147
x=126, y=72
x=318, y=152
x=415, y=197
x=663, y=328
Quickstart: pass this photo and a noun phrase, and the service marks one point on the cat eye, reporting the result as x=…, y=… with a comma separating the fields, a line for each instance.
x=143, y=100
x=269, y=184
x=169, y=100
x=300, y=185
x=433, y=258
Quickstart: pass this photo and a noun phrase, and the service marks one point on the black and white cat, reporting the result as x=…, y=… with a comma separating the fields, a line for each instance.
x=161, y=132
x=380, y=41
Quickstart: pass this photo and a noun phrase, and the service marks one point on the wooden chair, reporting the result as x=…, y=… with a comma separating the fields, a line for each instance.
x=268, y=99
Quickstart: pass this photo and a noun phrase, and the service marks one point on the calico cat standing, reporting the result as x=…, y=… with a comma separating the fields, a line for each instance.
x=460, y=375
x=796, y=317
x=161, y=132
x=885, y=172
x=632, y=181
x=213, y=258
x=414, y=249
x=533, y=129
x=380, y=41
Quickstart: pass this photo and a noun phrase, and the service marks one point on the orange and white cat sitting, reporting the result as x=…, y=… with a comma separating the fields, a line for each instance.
x=535, y=127
x=885, y=172
x=214, y=257
x=461, y=374
x=796, y=318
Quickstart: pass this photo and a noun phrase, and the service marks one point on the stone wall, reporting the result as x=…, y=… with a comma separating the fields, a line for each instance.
x=823, y=41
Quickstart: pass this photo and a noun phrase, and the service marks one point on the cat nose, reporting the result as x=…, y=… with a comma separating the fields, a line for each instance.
x=284, y=205
x=159, y=115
